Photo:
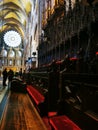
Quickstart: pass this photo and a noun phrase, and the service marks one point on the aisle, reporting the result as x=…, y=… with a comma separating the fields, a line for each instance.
x=20, y=114
x=2, y=90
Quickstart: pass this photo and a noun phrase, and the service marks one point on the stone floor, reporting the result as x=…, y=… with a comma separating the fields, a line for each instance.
x=2, y=89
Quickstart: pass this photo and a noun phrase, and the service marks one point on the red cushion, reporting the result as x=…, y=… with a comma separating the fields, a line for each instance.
x=52, y=113
x=36, y=95
x=63, y=123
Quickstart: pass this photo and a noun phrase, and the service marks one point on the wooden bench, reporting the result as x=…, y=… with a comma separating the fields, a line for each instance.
x=37, y=98
x=62, y=122
x=35, y=94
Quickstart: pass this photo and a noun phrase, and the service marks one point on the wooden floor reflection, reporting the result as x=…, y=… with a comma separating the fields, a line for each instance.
x=20, y=114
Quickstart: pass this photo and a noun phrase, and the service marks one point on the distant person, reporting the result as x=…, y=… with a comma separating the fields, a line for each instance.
x=10, y=75
x=24, y=75
x=5, y=75
x=20, y=73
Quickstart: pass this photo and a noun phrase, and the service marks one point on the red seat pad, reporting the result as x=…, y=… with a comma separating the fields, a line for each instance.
x=52, y=113
x=63, y=123
x=37, y=96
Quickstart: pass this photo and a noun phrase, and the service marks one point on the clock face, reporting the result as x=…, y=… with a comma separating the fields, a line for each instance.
x=12, y=38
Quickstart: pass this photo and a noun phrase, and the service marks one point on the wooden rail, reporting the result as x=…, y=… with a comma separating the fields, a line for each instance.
x=71, y=94
x=79, y=96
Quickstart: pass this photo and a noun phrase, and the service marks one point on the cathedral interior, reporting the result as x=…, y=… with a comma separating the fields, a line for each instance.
x=14, y=31
x=58, y=32
x=55, y=43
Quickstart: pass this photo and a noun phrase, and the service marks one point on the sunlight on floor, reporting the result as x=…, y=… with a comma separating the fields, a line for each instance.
x=2, y=90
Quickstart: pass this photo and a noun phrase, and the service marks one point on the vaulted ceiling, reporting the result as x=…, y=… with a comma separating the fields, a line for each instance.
x=14, y=15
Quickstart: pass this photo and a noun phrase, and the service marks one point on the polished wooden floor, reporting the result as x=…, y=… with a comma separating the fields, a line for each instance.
x=20, y=114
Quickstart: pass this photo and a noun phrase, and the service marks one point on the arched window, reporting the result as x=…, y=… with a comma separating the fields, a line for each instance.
x=18, y=53
x=11, y=54
x=4, y=53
